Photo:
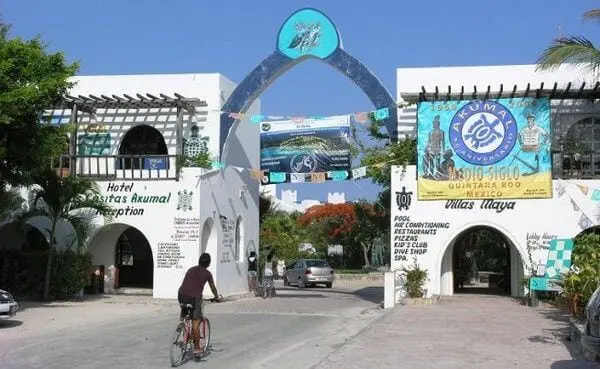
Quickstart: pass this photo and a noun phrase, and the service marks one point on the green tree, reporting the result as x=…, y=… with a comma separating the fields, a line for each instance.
x=576, y=50
x=31, y=81
x=64, y=200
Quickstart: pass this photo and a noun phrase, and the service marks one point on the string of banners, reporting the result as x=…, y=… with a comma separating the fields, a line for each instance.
x=266, y=177
x=360, y=117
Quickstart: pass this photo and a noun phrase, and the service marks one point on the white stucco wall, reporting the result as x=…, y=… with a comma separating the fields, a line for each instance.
x=534, y=222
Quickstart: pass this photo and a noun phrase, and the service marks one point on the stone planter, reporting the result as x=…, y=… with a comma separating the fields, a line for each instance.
x=422, y=300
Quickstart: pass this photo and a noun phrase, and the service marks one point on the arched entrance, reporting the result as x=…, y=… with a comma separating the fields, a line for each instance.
x=125, y=255
x=291, y=49
x=141, y=141
x=28, y=238
x=133, y=258
x=484, y=260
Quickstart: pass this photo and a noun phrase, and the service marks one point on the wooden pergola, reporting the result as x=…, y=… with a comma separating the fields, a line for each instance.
x=91, y=103
x=570, y=92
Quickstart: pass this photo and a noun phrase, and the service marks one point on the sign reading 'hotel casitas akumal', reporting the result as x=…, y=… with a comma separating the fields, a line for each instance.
x=128, y=202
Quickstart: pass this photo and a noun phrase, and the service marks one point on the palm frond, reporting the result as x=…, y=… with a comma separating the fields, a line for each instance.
x=576, y=50
x=81, y=228
x=592, y=15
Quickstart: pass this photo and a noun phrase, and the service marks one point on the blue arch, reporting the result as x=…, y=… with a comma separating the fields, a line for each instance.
x=261, y=77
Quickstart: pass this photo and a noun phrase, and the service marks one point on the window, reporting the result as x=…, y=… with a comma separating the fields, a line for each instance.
x=124, y=251
x=579, y=154
x=317, y=264
x=239, y=240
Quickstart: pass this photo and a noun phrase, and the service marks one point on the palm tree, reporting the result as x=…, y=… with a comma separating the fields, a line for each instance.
x=576, y=50
x=64, y=200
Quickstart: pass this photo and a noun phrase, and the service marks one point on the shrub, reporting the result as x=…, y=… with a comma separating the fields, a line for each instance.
x=581, y=281
x=23, y=273
x=415, y=279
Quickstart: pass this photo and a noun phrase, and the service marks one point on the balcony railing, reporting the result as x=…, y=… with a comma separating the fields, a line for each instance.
x=115, y=167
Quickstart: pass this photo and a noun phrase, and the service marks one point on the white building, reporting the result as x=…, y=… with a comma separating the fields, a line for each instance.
x=527, y=226
x=165, y=215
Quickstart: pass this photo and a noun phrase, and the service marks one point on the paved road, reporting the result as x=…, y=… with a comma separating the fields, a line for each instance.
x=300, y=329
x=297, y=329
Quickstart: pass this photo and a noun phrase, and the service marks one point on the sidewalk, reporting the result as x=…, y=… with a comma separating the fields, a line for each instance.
x=461, y=333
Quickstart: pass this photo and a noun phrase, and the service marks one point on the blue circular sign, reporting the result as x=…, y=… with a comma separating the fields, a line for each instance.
x=483, y=132
x=308, y=32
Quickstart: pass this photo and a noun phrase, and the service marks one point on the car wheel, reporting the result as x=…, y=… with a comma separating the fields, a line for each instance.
x=328, y=285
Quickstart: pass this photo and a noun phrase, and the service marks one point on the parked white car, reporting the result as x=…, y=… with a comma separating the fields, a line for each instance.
x=8, y=305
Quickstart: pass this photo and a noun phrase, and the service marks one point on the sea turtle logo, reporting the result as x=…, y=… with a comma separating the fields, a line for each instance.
x=307, y=37
x=403, y=199
x=483, y=132
x=303, y=163
x=185, y=200
x=265, y=126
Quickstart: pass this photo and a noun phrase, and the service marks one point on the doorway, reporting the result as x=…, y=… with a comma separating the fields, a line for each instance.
x=133, y=258
x=482, y=260
x=139, y=142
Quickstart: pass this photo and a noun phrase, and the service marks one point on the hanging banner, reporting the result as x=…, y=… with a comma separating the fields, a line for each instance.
x=307, y=146
x=476, y=149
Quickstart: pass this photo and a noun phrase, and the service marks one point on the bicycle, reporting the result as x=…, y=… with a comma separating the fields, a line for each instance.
x=182, y=340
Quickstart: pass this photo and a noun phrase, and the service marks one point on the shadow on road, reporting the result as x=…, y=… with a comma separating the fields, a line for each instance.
x=5, y=324
x=32, y=304
x=299, y=295
x=574, y=364
x=562, y=333
x=372, y=294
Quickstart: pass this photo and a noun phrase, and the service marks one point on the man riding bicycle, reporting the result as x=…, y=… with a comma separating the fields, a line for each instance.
x=190, y=292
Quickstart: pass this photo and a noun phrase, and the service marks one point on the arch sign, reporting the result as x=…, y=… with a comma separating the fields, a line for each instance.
x=308, y=33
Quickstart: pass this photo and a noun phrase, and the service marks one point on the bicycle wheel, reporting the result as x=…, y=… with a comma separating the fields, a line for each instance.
x=204, y=334
x=180, y=344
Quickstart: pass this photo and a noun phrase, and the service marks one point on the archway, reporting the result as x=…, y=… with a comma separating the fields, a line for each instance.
x=209, y=242
x=125, y=255
x=140, y=142
x=328, y=49
x=481, y=259
x=28, y=238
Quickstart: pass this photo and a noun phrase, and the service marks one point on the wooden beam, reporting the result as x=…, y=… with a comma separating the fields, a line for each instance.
x=487, y=94
x=514, y=91
x=449, y=96
x=437, y=93
x=474, y=92
x=566, y=90
x=553, y=90
x=500, y=91
x=538, y=92
x=462, y=92
x=527, y=90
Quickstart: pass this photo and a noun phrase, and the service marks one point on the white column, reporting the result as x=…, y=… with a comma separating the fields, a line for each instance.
x=389, y=299
x=447, y=275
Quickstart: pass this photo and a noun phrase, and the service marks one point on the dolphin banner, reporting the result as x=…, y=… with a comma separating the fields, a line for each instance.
x=306, y=146
x=492, y=149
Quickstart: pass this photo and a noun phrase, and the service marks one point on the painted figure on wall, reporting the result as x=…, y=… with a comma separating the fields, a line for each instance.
x=532, y=137
x=436, y=145
x=195, y=145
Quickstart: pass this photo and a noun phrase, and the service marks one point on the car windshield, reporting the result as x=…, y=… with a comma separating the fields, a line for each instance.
x=316, y=263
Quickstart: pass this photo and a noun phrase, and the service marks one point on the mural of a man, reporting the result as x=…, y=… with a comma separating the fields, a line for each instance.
x=532, y=136
x=436, y=144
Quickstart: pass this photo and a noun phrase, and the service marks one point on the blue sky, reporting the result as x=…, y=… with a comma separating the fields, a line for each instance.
x=232, y=37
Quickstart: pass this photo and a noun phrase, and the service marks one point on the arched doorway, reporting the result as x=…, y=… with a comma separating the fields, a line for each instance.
x=140, y=142
x=27, y=239
x=483, y=260
x=133, y=258
x=125, y=255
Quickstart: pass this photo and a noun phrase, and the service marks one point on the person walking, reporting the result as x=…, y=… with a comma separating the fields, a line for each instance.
x=252, y=271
